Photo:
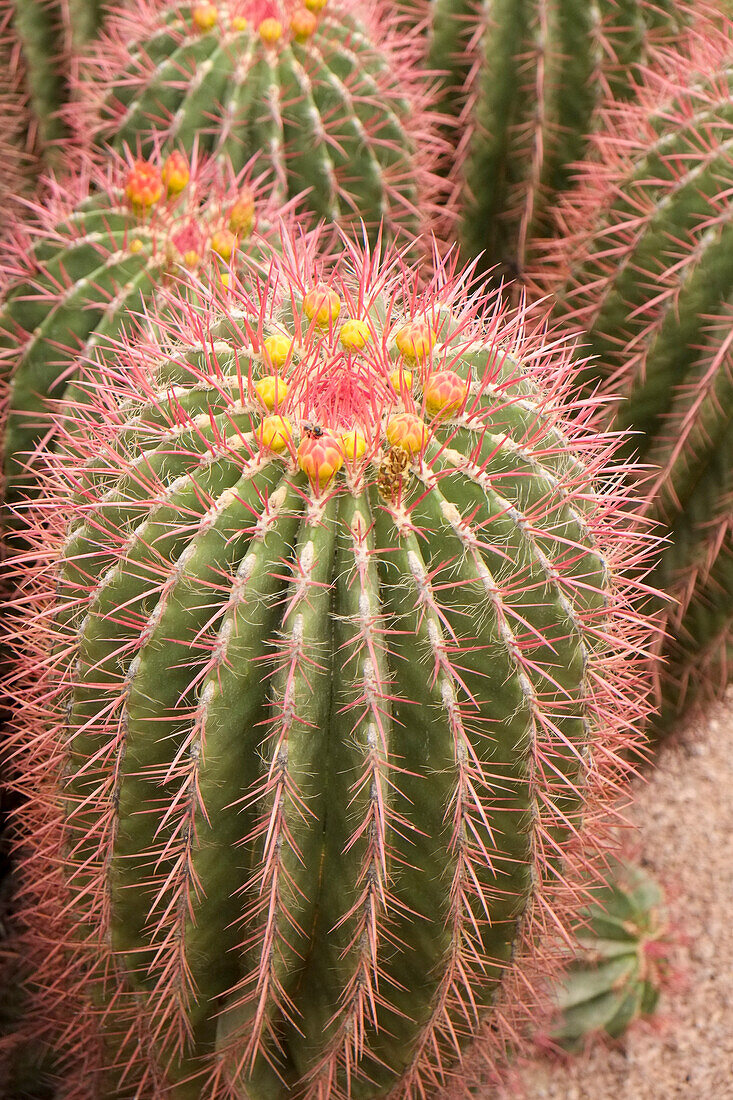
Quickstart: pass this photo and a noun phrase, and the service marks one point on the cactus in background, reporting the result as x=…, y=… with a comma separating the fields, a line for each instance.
x=341, y=647
x=101, y=252
x=645, y=267
x=47, y=37
x=622, y=963
x=523, y=82
x=328, y=95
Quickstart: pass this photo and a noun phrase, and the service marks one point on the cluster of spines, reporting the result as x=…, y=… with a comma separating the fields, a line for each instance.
x=142, y=508
x=644, y=268
x=329, y=96
x=524, y=87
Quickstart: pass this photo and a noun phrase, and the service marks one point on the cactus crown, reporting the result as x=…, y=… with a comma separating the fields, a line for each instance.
x=102, y=250
x=326, y=95
x=341, y=635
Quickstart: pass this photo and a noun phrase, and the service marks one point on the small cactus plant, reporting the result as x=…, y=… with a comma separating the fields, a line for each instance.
x=622, y=961
x=101, y=252
x=524, y=82
x=326, y=94
x=645, y=268
x=336, y=645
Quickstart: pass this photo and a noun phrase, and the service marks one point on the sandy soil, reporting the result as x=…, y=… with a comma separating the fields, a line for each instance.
x=685, y=816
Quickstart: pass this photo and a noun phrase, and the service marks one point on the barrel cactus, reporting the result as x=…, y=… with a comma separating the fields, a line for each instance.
x=622, y=963
x=327, y=94
x=524, y=82
x=336, y=645
x=645, y=268
x=102, y=249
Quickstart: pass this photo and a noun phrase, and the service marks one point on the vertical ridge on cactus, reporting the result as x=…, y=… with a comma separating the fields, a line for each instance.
x=318, y=687
x=103, y=247
x=524, y=82
x=645, y=267
x=332, y=100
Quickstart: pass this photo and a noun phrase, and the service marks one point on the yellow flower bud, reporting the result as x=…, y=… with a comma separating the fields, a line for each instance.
x=271, y=390
x=223, y=242
x=354, y=334
x=275, y=433
x=353, y=445
x=400, y=380
x=276, y=349
x=270, y=31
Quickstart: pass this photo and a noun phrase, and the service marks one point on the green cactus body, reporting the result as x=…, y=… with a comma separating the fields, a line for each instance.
x=524, y=80
x=330, y=666
x=621, y=964
x=647, y=270
x=332, y=109
x=97, y=264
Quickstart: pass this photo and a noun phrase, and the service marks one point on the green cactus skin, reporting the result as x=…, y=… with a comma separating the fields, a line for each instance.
x=96, y=262
x=621, y=965
x=646, y=269
x=524, y=79
x=323, y=722
x=341, y=116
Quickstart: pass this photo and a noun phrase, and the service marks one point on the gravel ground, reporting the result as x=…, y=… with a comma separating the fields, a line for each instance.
x=685, y=816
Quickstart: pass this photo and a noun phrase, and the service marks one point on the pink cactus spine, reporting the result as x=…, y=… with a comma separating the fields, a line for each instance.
x=642, y=265
x=349, y=118
x=68, y=829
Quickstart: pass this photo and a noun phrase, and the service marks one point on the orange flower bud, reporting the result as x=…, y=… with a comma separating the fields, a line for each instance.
x=315, y=5
x=320, y=458
x=143, y=185
x=239, y=23
x=205, y=16
x=303, y=24
x=415, y=341
x=444, y=393
x=175, y=174
x=322, y=305
x=407, y=431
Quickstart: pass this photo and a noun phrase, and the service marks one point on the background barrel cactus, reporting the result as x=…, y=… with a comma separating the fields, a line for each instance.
x=328, y=95
x=341, y=648
x=103, y=246
x=645, y=268
x=524, y=81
